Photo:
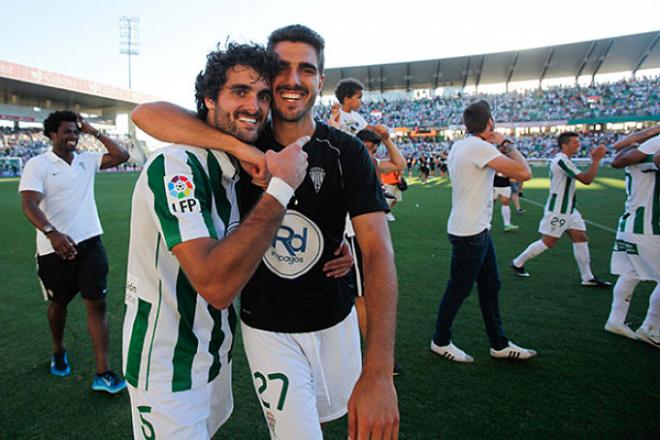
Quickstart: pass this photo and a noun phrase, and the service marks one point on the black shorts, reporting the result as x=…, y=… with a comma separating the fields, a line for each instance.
x=86, y=273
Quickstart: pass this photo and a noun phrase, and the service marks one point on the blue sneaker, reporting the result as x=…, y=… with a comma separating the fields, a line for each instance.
x=59, y=364
x=108, y=382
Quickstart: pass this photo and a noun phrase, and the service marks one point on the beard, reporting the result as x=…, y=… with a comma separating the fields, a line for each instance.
x=230, y=124
x=280, y=105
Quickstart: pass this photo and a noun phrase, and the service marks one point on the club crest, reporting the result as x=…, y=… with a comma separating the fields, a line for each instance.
x=317, y=174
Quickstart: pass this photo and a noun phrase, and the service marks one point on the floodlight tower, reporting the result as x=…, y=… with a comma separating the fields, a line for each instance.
x=129, y=39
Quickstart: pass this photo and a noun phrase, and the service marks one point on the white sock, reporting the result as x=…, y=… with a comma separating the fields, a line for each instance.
x=534, y=249
x=621, y=295
x=581, y=254
x=506, y=215
x=653, y=315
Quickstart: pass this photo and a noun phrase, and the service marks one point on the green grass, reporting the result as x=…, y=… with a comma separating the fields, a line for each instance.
x=585, y=383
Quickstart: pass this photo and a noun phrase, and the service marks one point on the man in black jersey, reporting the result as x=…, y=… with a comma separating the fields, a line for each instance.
x=299, y=326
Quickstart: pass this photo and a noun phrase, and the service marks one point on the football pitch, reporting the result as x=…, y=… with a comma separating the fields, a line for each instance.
x=585, y=383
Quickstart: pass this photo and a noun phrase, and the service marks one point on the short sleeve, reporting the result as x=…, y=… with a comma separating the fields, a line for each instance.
x=568, y=168
x=650, y=146
x=482, y=153
x=182, y=197
x=32, y=178
x=362, y=187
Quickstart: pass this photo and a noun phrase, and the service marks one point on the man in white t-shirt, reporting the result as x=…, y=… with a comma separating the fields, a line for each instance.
x=345, y=115
x=636, y=253
x=472, y=164
x=57, y=191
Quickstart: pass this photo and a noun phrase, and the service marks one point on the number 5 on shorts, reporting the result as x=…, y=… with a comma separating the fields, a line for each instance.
x=151, y=435
x=264, y=384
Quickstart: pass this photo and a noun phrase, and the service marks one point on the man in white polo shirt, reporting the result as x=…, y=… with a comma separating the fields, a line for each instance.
x=57, y=190
x=472, y=164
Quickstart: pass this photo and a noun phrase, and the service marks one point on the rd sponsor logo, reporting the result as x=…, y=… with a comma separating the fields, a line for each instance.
x=296, y=247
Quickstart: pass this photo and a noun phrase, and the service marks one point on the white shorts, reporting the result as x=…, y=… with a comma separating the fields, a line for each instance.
x=304, y=379
x=636, y=256
x=554, y=224
x=395, y=191
x=192, y=414
x=504, y=191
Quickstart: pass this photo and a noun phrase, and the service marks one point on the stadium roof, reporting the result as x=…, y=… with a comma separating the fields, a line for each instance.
x=23, y=87
x=608, y=55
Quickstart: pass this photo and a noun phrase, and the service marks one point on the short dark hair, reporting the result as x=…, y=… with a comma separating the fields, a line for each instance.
x=367, y=135
x=563, y=138
x=297, y=33
x=346, y=88
x=53, y=121
x=218, y=62
x=476, y=116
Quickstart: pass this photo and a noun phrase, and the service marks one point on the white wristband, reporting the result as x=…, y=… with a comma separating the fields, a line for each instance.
x=281, y=190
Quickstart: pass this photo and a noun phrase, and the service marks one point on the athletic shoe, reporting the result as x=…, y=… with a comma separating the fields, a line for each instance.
x=59, y=364
x=521, y=210
x=620, y=329
x=451, y=352
x=597, y=282
x=513, y=352
x=108, y=382
x=520, y=271
x=390, y=217
x=650, y=335
x=397, y=369
x=509, y=228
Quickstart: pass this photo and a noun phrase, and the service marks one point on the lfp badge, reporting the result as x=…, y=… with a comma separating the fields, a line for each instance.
x=181, y=194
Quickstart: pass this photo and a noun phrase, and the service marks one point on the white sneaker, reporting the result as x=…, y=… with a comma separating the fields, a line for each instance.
x=451, y=352
x=621, y=329
x=650, y=335
x=390, y=217
x=512, y=351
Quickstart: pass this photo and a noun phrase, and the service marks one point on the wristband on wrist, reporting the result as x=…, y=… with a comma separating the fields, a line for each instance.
x=281, y=190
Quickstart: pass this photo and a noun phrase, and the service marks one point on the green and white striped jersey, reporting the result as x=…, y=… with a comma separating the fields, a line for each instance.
x=561, y=199
x=642, y=207
x=173, y=340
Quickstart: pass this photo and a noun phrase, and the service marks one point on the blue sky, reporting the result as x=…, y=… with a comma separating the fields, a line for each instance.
x=81, y=39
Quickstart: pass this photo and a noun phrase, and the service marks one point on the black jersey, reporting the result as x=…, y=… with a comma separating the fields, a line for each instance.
x=289, y=291
x=501, y=181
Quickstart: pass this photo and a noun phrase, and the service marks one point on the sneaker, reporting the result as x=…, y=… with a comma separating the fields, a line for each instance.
x=620, y=329
x=59, y=364
x=513, y=352
x=397, y=369
x=108, y=382
x=451, y=352
x=509, y=228
x=521, y=210
x=390, y=217
x=520, y=271
x=650, y=335
x=596, y=282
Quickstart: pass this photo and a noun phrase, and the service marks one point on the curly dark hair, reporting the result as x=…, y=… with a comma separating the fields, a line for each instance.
x=297, y=33
x=346, y=88
x=218, y=62
x=53, y=121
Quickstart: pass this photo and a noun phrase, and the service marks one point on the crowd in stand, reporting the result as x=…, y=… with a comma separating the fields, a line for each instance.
x=638, y=97
x=27, y=143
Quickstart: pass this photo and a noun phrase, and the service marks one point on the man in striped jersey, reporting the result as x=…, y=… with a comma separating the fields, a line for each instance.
x=560, y=213
x=636, y=254
x=298, y=322
x=189, y=258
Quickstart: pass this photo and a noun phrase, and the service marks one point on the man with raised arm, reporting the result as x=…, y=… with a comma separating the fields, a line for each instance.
x=472, y=163
x=560, y=211
x=189, y=258
x=299, y=325
x=57, y=191
x=636, y=253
